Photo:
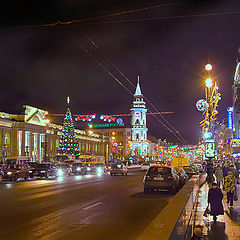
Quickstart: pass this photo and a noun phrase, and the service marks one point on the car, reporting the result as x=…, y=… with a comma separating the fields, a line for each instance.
x=100, y=168
x=63, y=169
x=78, y=168
x=145, y=166
x=15, y=171
x=44, y=170
x=161, y=178
x=183, y=177
x=190, y=171
x=118, y=169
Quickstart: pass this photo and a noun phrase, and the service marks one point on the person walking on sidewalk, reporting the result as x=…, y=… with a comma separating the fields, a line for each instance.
x=219, y=176
x=230, y=187
x=215, y=197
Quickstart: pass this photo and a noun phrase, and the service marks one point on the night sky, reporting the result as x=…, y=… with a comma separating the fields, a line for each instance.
x=40, y=66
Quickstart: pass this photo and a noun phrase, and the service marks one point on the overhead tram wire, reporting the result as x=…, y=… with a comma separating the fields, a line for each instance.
x=100, y=64
x=166, y=18
x=85, y=20
x=110, y=61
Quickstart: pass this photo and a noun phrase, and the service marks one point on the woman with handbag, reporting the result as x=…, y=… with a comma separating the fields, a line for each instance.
x=215, y=197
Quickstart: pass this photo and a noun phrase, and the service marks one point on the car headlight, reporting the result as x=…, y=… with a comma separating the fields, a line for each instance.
x=99, y=170
x=60, y=172
x=88, y=168
x=9, y=173
x=43, y=171
x=78, y=169
x=30, y=171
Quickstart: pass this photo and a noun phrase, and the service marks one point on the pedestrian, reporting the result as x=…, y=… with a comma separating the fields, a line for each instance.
x=230, y=187
x=225, y=170
x=215, y=197
x=219, y=176
x=234, y=170
x=197, y=234
x=209, y=171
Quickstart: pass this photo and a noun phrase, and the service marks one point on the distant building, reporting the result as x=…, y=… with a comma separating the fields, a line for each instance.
x=30, y=135
x=139, y=124
x=120, y=141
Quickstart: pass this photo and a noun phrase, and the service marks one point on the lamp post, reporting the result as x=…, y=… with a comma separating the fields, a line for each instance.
x=46, y=121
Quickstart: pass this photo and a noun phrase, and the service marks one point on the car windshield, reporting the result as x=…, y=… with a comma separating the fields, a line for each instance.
x=160, y=170
x=11, y=167
x=43, y=165
x=117, y=165
x=146, y=164
x=78, y=164
x=63, y=166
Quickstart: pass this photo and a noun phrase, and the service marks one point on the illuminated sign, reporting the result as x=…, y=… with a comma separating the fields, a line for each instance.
x=235, y=143
x=230, y=117
x=107, y=125
x=210, y=148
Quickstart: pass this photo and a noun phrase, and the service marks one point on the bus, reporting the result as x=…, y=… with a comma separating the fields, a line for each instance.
x=91, y=159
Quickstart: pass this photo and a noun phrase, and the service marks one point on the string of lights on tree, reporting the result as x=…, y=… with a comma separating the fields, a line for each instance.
x=68, y=143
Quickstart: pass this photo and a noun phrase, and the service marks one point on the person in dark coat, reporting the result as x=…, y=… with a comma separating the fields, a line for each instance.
x=215, y=197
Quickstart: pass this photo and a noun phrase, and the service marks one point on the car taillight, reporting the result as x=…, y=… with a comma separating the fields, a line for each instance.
x=171, y=177
x=147, y=176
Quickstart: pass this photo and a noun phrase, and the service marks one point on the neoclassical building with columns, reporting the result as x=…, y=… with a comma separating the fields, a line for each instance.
x=29, y=134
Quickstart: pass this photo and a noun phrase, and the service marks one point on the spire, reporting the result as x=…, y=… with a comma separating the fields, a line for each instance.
x=138, y=89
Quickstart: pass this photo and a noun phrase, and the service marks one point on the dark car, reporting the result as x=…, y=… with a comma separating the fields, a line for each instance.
x=190, y=171
x=45, y=170
x=161, y=178
x=63, y=169
x=15, y=171
x=118, y=169
x=183, y=177
x=79, y=168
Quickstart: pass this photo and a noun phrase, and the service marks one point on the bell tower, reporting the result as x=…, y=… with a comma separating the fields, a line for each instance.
x=139, y=124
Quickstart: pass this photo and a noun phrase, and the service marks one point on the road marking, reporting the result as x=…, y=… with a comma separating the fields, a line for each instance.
x=93, y=205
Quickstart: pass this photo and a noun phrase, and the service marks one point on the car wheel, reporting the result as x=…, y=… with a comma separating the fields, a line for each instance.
x=15, y=178
x=47, y=175
x=126, y=173
x=31, y=175
x=26, y=177
x=172, y=190
x=146, y=190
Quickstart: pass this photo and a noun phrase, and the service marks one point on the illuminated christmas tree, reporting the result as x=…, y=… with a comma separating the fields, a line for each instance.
x=68, y=143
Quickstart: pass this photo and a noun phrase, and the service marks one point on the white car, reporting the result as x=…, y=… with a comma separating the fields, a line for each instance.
x=145, y=166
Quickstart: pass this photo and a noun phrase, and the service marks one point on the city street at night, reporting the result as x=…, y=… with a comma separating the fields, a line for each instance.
x=78, y=207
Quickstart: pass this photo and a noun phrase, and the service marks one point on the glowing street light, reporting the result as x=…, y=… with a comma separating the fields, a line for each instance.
x=208, y=83
x=208, y=67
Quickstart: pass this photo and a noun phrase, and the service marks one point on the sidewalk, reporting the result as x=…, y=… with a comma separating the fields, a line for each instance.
x=227, y=225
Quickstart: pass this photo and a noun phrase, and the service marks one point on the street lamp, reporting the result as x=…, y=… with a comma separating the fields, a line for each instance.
x=46, y=121
x=208, y=83
x=208, y=67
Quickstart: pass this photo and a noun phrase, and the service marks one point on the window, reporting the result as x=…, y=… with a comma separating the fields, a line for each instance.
x=137, y=136
x=137, y=121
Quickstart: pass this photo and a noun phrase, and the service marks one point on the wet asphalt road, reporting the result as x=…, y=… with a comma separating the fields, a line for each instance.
x=78, y=207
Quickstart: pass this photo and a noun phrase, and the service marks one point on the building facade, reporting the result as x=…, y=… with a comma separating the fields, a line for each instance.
x=120, y=141
x=236, y=103
x=139, y=124
x=31, y=135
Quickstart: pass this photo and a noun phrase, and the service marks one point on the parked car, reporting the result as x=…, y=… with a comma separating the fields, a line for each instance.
x=79, y=168
x=63, y=169
x=118, y=169
x=161, y=178
x=190, y=171
x=145, y=166
x=183, y=177
x=45, y=170
x=15, y=171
